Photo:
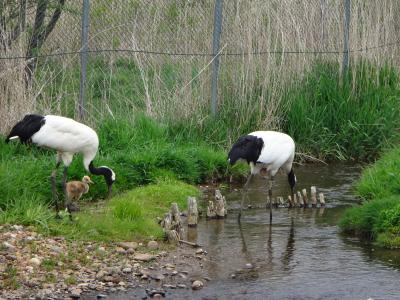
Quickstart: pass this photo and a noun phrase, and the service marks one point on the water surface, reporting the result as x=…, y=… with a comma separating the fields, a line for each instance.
x=301, y=256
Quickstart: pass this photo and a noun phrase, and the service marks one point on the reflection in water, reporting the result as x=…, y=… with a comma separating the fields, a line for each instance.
x=288, y=254
x=192, y=234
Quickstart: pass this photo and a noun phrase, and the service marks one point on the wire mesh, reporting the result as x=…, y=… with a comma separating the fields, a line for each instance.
x=155, y=56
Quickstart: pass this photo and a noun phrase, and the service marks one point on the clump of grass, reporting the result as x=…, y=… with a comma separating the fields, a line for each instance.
x=378, y=220
x=381, y=179
x=10, y=280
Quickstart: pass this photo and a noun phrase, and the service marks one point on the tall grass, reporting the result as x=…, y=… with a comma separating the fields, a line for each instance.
x=354, y=117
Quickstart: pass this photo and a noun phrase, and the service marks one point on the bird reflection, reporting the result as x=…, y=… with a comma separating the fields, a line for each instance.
x=288, y=254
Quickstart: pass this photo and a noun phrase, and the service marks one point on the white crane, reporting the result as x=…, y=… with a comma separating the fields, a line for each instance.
x=265, y=150
x=67, y=137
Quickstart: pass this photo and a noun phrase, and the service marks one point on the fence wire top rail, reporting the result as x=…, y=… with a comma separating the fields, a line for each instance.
x=151, y=52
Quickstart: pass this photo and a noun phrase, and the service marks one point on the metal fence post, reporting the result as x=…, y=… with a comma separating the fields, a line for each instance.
x=215, y=69
x=84, y=57
x=346, y=49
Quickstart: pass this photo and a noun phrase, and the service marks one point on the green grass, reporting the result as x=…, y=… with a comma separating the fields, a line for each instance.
x=351, y=118
x=130, y=215
x=141, y=153
x=378, y=218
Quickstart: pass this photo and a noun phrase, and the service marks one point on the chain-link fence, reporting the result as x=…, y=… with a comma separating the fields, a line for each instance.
x=158, y=56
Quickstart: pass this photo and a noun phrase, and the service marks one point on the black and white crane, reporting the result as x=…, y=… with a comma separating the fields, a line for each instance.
x=265, y=150
x=67, y=137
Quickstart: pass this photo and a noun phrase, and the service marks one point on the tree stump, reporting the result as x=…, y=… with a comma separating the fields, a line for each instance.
x=220, y=205
x=300, y=197
x=193, y=213
x=305, y=199
x=321, y=199
x=172, y=224
x=295, y=199
x=313, y=196
x=210, y=210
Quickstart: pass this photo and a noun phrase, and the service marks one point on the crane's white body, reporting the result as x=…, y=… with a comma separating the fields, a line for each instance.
x=278, y=152
x=68, y=137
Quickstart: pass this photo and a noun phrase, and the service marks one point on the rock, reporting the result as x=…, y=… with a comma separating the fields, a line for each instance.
x=199, y=251
x=169, y=266
x=35, y=261
x=76, y=293
x=17, y=227
x=169, y=286
x=101, y=296
x=128, y=245
x=120, y=250
x=101, y=250
x=249, y=266
x=157, y=276
x=143, y=257
x=29, y=269
x=127, y=270
x=152, y=293
x=56, y=249
x=197, y=285
x=181, y=286
x=101, y=274
x=8, y=246
x=153, y=245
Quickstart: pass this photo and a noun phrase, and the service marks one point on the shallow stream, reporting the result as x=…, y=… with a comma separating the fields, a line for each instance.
x=301, y=256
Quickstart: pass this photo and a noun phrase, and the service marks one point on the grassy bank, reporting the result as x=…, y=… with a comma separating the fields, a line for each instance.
x=379, y=216
x=140, y=151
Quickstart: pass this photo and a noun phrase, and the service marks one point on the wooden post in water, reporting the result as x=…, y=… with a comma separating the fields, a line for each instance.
x=210, y=210
x=295, y=200
x=290, y=201
x=321, y=199
x=305, y=199
x=172, y=224
x=300, y=197
x=193, y=213
x=220, y=205
x=313, y=196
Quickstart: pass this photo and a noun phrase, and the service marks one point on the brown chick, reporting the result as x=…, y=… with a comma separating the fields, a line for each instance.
x=75, y=189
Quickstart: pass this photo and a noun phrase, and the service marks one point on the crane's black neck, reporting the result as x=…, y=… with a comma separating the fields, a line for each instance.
x=105, y=171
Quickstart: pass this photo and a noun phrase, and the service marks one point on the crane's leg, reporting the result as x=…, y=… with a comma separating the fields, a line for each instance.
x=54, y=188
x=271, y=183
x=244, y=190
x=64, y=186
